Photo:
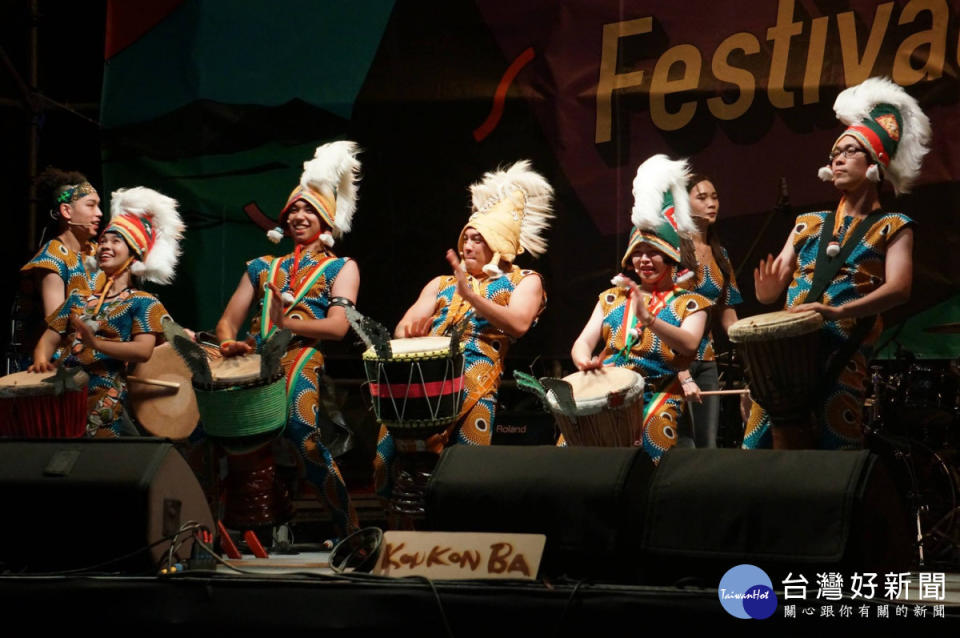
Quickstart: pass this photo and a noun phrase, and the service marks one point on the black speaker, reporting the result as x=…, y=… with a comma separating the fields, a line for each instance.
x=79, y=503
x=587, y=501
x=608, y=514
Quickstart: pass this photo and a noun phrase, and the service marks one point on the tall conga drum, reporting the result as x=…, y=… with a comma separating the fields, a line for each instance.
x=244, y=413
x=33, y=406
x=417, y=393
x=608, y=408
x=781, y=353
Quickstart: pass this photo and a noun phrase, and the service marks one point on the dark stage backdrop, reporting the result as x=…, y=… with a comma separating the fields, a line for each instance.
x=218, y=103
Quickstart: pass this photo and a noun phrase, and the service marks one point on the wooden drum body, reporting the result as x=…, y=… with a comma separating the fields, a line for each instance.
x=169, y=412
x=419, y=390
x=781, y=352
x=609, y=408
x=31, y=406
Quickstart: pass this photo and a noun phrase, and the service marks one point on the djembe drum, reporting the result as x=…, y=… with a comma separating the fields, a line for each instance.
x=417, y=393
x=244, y=412
x=169, y=411
x=608, y=408
x=32, y=405
x=781, y=351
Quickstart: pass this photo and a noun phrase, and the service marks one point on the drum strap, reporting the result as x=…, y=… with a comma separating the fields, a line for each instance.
x=266, y=326
x=825, y=270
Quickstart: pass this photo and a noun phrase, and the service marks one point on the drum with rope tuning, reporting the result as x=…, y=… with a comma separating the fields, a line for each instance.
x=32, y=406
x=609, y=408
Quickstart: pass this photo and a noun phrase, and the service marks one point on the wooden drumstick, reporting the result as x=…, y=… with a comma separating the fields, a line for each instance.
x=713, y=393
x=157, y=382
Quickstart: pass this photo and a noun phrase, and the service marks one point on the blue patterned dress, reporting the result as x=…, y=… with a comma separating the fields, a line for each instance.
x=654, y=360
x=303, y=364
x=121, y=318
x=840, y=414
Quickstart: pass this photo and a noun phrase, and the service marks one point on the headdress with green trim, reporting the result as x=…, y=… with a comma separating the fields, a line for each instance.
x=329, y=184
x=661, y=207
x=890, y=125
x=150, y=224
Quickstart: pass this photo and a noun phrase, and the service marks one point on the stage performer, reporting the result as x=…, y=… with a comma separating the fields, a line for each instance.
x=66, y=264
x=853, y=263
x=495, y=301
x=714, y=279
x=305, y=292
x=656, y=328
x=118, y=323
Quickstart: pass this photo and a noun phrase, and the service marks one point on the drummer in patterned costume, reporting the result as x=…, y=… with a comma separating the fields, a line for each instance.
x=305, y=292
x=854, y=263
x=656, y=328
x=118, y=323
x=495, y=301
x=65, y=265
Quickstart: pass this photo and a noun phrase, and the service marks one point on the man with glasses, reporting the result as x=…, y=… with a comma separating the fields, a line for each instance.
x=853, y=263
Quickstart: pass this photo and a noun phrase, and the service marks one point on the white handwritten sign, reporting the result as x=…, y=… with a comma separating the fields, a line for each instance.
x=460, y=555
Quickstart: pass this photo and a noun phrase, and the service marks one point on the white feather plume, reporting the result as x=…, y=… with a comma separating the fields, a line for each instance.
x=825, y=173
x=161, y=261
x=335, y=171
x=853, y=105
x=538, y=201
x=655, y=176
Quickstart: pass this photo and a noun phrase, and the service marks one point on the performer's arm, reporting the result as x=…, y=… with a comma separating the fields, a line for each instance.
x=418, y=317
x=728, y=317
x=136, y=350
x=44, y=349
x=895, y=289
x=517, y=316
x=52, y=292
x=771, y=277
x=691, y=391
x=232, y=318
x=586, y=343
x=335, y=325
x=684, y=339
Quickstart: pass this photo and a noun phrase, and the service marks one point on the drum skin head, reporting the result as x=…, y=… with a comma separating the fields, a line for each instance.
x=781, y=323
x=235, y=370
x=599, y=383
x=161, y=411
x=415, y=348
x=33, y=384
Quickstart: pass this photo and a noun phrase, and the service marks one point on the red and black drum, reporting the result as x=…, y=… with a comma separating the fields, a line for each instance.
x=33, y=405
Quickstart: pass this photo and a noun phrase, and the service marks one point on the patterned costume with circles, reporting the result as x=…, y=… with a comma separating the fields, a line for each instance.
x=484, y=348
x=840, y=414
x=711, y=282
x=53, y=257
x=303, y=365
x=121, y=318
x=657, y=362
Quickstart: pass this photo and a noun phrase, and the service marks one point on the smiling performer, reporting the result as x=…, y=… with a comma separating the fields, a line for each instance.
x=305, y=292
x=64, y=265
x=118, y=323
x=494, y=300
x=854, y=263
x=654, y=329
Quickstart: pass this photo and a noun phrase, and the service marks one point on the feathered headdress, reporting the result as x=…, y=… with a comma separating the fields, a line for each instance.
x=511, y=210
x=329, y=184
x=890, y=125
x=150, y=224
x=661, y=207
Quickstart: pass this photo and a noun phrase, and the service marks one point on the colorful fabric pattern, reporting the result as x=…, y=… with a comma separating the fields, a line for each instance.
x=122, y=317
x=654, y=360
x=840, y=415
x=710, y=281
x=484, y=347
x=303, y=364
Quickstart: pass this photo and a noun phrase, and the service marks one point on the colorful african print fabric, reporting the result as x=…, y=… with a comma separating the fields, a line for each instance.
x=121, y=318
x=484, y=348
x=653, y=359
x=310, y=281
x=840, y=415
x=711, y=282
x=55, y=257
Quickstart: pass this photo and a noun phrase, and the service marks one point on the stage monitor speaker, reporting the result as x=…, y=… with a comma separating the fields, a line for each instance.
x=782, y=510
x=608, y=514
x=588, y=501
x=82, y=502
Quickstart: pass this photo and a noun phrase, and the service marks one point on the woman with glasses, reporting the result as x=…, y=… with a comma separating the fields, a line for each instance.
x=853, y=263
